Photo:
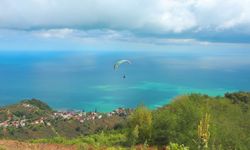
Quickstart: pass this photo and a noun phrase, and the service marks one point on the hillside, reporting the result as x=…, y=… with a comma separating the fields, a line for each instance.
x=196, y=121
x=26, y=109
x=31, y=119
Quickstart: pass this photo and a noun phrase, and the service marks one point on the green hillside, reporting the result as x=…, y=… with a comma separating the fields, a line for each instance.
x=32, y=119
x=30, y=109
x=193, y=121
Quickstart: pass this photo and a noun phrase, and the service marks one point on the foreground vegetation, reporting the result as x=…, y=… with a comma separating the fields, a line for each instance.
x=193, y=121
x=197, y=121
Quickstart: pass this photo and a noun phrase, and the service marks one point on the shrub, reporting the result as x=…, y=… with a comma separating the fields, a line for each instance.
x=175, y=146
x=141, y=118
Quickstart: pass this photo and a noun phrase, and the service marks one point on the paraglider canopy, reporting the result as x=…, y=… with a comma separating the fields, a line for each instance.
x=119, y=62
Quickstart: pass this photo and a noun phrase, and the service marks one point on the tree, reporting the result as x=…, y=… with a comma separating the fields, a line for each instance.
x=133, y=136
x=141, y=118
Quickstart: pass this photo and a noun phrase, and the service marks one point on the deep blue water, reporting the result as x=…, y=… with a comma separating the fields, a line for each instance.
x=86, y=79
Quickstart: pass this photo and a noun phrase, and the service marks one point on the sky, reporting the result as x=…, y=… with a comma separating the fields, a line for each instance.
x=80, y=24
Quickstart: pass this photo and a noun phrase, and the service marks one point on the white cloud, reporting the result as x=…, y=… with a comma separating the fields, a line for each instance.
x=57, y=33
x=152, y=16
x=105, y=35
x=75, y=39
x=83, y=35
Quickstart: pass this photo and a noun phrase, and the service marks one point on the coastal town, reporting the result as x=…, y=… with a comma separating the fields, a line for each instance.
x=80, y=116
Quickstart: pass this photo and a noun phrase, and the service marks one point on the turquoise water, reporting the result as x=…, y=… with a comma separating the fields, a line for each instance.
x=86, y=79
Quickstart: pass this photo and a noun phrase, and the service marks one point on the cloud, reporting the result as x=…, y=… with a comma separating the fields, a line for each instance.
x=83, y=34
x=57, y=33
x=142, y=16
x=113, y=35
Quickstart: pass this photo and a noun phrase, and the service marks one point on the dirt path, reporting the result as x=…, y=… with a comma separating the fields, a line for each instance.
x=16, y=145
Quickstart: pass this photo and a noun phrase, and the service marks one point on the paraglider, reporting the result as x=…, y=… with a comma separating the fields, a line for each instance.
x=120, y=62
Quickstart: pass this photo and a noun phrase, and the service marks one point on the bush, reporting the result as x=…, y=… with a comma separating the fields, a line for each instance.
x=174, y=146
x=101, y=139
x=141, y=118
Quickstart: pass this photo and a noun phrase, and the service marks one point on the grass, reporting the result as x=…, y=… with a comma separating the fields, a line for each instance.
x=96, y=140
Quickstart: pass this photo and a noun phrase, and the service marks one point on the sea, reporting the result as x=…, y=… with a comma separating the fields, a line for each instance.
x=86, y=79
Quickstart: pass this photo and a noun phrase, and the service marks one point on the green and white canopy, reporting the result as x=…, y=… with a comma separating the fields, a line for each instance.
x=120, y=62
